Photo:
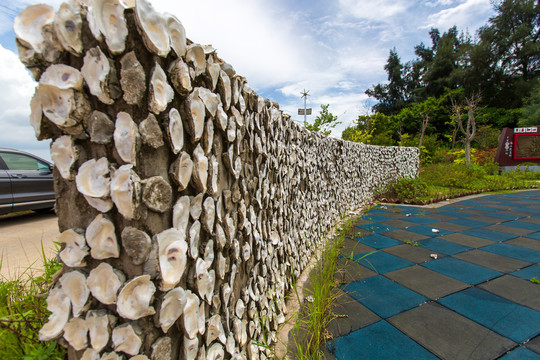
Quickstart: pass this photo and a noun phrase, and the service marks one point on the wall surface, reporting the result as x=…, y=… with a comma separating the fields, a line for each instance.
x=186, y=201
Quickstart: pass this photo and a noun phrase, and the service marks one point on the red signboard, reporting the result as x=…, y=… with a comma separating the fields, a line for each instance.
x=519, y=145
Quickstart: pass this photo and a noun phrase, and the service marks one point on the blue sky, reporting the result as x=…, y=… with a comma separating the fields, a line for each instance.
x=335, y=49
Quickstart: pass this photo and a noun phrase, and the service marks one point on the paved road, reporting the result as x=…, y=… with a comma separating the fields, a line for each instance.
x=21, y=237
x=445, y=283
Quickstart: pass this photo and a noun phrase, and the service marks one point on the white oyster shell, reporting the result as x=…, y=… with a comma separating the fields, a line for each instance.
x=108, y=17
x=29, y=23
x=176, y=131
x=99, y=325
x=92, y=179
x=153, y=28
x=64, y=155
x=181, y=214
x=59, y=305
x=57, y=104
x=75, y=332
x=191, y=315
x=104, y=283
x=126, y=191
x=126, y=136
x=102, y=205
x=171, y=308
x=172, y=256
x=63, y=77
x=135, y=297
x=101, y=238
x=126, y=339
x=177, y=35
x=160, y=92
x=68, y=25
x=95, y=70
x=74, y=286
x=75, y=250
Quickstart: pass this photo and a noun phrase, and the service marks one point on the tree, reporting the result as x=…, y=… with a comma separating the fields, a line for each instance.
x=469, y=131
x=324, y=122
x=391, y=97
x=531, y=111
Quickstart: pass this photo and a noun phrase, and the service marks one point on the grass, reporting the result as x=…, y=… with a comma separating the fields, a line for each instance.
x=23, y=311
x=535, y=280
x=442, y=181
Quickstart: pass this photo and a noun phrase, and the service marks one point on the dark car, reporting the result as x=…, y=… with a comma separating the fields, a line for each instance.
x=26, y=182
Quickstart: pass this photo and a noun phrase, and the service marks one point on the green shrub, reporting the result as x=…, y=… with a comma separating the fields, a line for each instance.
x=23, y=311
x=404, y=189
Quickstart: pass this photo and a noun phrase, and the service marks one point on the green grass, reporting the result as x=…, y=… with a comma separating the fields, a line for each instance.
x=23, y=311
x=442, y=181
x=535, y=280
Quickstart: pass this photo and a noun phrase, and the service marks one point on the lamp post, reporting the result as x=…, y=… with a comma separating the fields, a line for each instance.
x=304, y=111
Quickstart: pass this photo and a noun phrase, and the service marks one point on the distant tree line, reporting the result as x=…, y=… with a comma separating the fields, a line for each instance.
x=460, y=88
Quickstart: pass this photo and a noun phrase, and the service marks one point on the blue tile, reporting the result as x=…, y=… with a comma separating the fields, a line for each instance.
x=381, y=262
x=375, y=218
x=376, y=228
x=377, y=341
x=469, y=222
x=489, y=234
x=484, y=208
x=383, y=296
x=461, y=270
x=421, y=220
x=443, y=247
x=456, y=214
x=377, y=210
x=378, y=241
x=505, y=216
x=428, y=231
x=409, y=210
x=528, y=272
x=521, y=353
x=505, y=317
x=535, y=236
x=529, y=210
x=522, y=225
x=515, y=252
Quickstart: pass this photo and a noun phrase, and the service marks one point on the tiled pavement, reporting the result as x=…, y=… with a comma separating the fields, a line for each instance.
x=473, y=300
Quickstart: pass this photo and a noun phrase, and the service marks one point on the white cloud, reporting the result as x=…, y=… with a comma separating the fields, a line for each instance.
x=468, y=15
x=17, y=88
x=258, y=40
x=380, y=10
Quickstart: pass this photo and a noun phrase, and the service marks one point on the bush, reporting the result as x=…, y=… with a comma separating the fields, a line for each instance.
x=23, y=311
x=404, y=189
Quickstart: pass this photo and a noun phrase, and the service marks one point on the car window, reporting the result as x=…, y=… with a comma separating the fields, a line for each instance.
x=23, y=162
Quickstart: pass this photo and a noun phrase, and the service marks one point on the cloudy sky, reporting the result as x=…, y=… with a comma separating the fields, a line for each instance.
x=335, y=49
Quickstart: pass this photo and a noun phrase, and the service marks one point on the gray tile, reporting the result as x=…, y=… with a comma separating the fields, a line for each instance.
x=415, y=254
x=350, y=271
x=534, y=345
x=350, y=315
x=473, y=212
x=525, y=242
x=531, y=220
x=487, y=219
x=354, y=247
x=450, y=335
x=399, y=223
x=404, y=235
x=450, y=226
x=429, y=283
x=509, y=230
x=518, y=290
x=467, y=240
x=395, y=215
x=492, y=261
x=440, y=217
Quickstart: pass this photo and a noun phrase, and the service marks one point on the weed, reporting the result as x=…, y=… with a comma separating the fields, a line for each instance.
x=535, y=280
x=410, y=242
x=23, y=312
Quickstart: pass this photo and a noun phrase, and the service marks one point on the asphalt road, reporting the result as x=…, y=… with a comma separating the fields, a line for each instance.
x=21, y=239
